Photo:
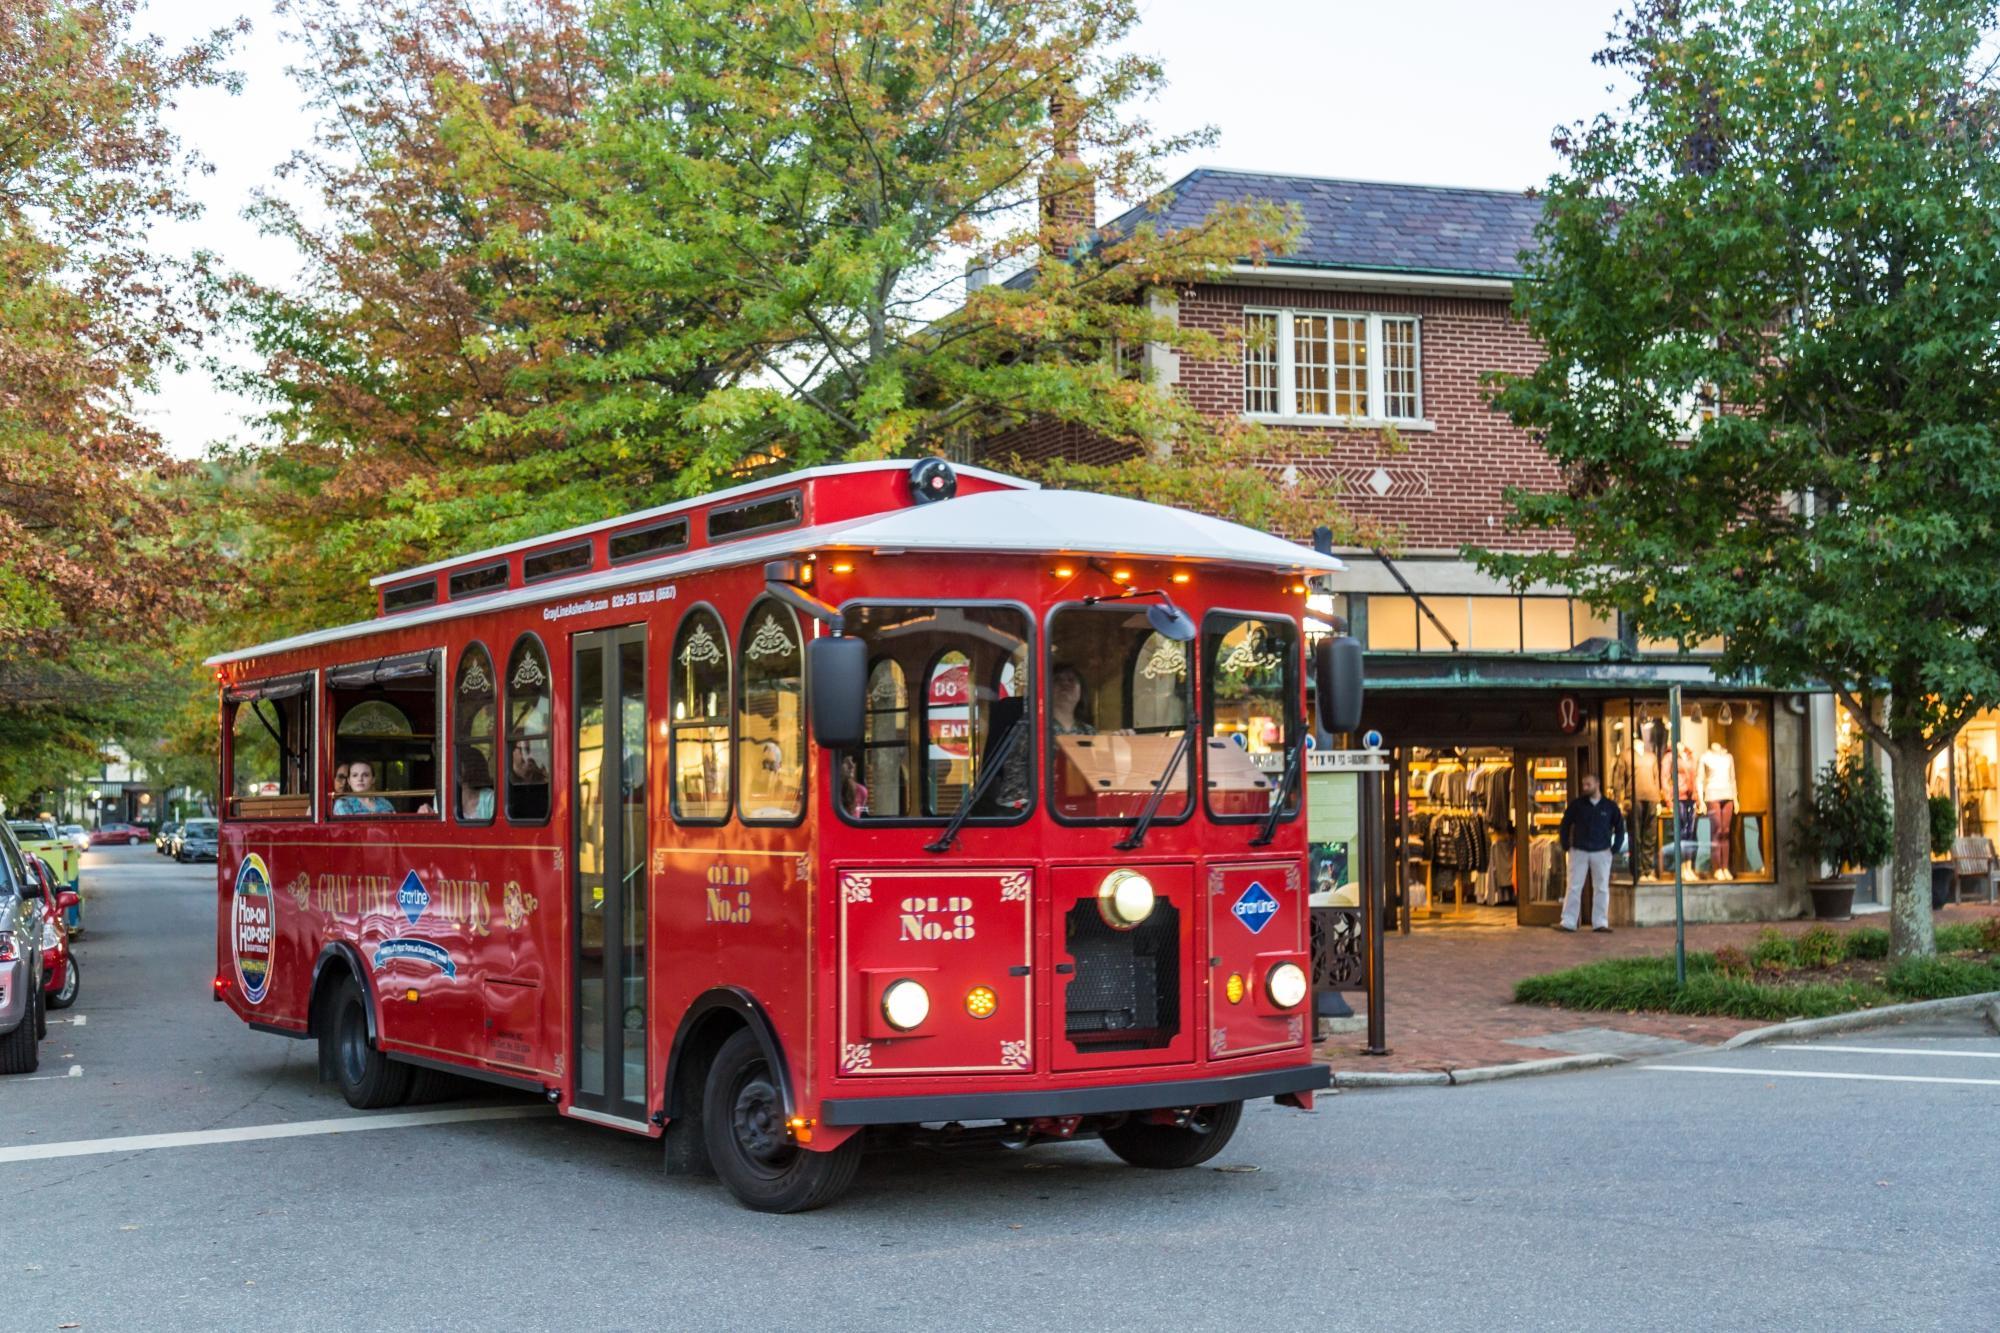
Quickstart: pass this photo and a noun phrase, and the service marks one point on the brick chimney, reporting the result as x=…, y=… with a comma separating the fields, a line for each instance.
x=1068, y=192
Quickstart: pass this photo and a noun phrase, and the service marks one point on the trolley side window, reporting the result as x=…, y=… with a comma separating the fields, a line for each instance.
x=699, y=756
x=1250, y=717
x=771, y=716
x=386, y=716
x=270, y=749
x=475, y=720
x=530, y=725
x=947, y=688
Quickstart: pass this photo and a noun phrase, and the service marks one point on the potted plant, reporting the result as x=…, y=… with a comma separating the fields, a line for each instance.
x=1944, y=829
x=1847, y=830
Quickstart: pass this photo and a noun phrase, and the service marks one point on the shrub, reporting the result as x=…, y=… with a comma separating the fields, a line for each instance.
x=1937, y=978
x=1850, y=821
x=1958, y=936
x=1866, y=943
x=1773, y=950
x=1944, y=825
x=1989, y=934
x=1731, y=961
x=1818, y=947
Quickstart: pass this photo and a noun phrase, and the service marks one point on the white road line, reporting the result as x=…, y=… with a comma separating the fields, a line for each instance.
x=1886, y=1050
x=1781, y=1073
x=75, y=1071
x=35, y=1152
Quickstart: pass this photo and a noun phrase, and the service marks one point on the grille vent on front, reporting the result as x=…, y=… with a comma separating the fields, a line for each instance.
x=1126, y=993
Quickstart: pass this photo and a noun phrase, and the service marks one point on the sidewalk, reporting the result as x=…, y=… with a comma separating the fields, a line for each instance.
x=1451, y=995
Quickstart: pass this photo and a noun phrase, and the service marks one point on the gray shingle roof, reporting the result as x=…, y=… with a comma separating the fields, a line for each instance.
x=1366, y=224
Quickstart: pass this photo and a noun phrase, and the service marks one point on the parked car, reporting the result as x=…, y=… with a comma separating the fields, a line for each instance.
x=119, y=835
x=39, y=838
x=163, y=840
x=24, y=1016
x=196, y=841
x=62, y=974
x=78, y=837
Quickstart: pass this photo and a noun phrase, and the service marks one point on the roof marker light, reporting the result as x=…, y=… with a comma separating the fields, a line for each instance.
x=1182, y=578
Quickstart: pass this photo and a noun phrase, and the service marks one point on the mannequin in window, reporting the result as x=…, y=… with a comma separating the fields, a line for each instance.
x=1717, y=791
x=1648, y=790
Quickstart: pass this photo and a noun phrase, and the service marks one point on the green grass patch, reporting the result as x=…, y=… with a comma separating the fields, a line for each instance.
x=1942, y=977
x=1627, y=984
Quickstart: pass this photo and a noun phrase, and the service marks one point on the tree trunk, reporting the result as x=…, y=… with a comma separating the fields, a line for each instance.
x=1910, y=933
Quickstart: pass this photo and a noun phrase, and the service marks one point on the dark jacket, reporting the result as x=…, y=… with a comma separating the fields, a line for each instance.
x=1589, y=826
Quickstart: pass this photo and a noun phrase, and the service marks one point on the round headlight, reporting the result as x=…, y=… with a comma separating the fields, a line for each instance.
x=905, y=1004
x=1124, y=899
x=1286, y=985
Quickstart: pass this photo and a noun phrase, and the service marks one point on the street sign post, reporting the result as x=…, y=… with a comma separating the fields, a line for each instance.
x=1680, y=847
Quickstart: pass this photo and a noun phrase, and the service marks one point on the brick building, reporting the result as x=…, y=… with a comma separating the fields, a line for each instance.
x=1364, y=349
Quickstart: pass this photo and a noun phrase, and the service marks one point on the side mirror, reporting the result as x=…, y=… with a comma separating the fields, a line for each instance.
x=837, y=690
x=1337, y=681
x=68, y=899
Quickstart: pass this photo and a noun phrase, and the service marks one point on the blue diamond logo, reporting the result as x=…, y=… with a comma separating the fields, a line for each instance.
x=1255, y=909
x=413, y=897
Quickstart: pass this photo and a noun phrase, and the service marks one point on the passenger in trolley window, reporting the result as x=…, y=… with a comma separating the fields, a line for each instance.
x=853, y=793
x=529, y=778
x=360, y=775
x=475, y=785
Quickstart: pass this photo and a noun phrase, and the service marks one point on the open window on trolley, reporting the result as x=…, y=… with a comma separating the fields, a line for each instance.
x=270, y=727
x=1120, y=697
x=386, y=715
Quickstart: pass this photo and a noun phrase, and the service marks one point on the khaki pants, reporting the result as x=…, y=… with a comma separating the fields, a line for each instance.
x=1597, y=866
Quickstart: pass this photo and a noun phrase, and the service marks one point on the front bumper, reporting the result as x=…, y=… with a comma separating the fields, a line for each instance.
x=16, y=1001
x=1072, y=1101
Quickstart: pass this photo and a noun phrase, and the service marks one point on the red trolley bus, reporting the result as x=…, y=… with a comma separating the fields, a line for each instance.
x=872, y=795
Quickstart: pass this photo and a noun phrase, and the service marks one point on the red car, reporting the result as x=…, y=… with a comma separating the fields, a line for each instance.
x=122, y=834
x=62, y=974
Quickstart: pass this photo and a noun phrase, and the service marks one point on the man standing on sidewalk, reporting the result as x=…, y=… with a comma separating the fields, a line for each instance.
x=1591, y=828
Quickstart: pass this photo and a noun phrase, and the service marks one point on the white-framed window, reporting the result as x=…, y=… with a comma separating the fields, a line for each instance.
x=1322, y=365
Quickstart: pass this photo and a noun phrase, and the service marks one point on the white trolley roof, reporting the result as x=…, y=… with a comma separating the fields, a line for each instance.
x=1025, y=521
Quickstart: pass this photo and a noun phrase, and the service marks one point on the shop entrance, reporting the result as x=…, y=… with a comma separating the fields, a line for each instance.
x=1477, y=837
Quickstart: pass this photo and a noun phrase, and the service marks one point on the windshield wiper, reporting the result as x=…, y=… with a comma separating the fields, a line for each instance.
x=1283, y=793
x=1137, y=837
x=995, y=764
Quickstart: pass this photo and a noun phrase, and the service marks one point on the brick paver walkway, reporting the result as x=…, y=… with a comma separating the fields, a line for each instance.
x=1451, y=991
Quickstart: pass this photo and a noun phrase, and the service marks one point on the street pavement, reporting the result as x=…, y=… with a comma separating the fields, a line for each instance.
x=1655, y=1195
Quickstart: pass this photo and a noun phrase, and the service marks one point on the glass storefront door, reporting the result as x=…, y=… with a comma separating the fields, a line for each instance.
x=609, y=871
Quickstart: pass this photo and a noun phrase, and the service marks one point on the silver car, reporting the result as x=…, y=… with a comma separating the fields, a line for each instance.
x=24, y=1018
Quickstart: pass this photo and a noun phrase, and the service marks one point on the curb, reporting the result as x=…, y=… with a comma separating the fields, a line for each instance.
x=1442, y=1078
x=1988, y=1001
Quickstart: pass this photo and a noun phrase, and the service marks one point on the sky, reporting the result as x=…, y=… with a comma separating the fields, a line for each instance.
x=1431, y=92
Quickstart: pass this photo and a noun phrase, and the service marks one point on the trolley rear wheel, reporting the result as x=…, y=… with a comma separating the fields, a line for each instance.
x=1171, y=1147
x=367, y=1078
x=743, y=1120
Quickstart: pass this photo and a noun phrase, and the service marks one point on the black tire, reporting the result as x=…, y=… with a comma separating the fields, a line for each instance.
x=1174, y=1147
x=368, y=1079
x=72, y=984
x=41, y=1014
x=21, y=1050
x=435, y=1085
x=743, y=1119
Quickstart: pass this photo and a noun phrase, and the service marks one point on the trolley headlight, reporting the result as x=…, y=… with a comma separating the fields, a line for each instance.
x=1286, y=985
x=1124, y=899
x=905, y=1004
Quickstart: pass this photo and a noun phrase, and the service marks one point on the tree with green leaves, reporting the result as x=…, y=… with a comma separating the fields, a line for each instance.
x=1768, y=290
x=570, y=265
x=90, y=311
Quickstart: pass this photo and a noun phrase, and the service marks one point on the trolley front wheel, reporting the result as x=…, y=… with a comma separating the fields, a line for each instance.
x=743, y=1120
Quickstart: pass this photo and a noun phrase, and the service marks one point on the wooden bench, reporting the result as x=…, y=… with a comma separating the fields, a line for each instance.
x=1972, y=862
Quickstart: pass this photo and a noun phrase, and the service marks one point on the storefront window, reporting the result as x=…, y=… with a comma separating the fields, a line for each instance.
x=1714, y=815
x=1976, y=757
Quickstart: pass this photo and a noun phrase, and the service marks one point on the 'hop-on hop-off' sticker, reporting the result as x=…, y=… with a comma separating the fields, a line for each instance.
x=253, y=925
